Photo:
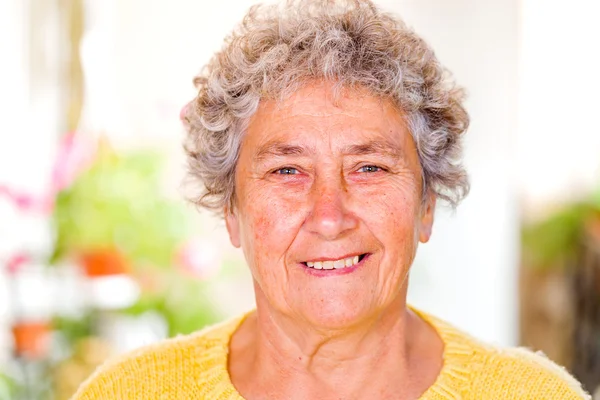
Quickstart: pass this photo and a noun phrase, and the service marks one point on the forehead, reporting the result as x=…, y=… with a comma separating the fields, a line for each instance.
x=314, y=113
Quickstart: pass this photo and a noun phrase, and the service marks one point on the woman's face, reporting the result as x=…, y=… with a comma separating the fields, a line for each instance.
x=329, y=186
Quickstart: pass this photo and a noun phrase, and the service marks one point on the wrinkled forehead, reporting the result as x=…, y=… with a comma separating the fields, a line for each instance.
x=334, y=95
x=315, y=115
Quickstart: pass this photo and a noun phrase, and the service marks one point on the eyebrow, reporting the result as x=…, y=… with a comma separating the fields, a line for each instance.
x=282, y=149
x=384, y=148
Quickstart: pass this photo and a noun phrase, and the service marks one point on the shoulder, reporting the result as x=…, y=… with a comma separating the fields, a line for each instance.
x=482, y=371
x=523, y=374
x=173, y=368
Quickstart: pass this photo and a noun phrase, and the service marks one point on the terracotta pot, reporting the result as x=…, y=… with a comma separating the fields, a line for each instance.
x=31, y=339
x=99, y=263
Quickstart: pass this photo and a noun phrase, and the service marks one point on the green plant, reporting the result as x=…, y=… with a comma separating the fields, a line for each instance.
x=181, y=301
x=74, y=329
x=555, y=241
x=118, y=204
x=8, y=387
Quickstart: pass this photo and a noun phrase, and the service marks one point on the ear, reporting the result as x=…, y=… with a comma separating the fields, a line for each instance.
x=426, y=221
x=233, y=226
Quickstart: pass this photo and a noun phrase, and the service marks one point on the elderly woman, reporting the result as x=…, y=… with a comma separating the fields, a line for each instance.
x=324, y=133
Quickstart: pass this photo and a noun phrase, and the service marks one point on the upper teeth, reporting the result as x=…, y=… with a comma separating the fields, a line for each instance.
x=337, y=264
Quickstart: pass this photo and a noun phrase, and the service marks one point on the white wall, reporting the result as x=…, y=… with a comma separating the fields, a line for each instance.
x=467, y=273
x=13, y=100
x=559, y=132
x=531, y=68
x=30, y=104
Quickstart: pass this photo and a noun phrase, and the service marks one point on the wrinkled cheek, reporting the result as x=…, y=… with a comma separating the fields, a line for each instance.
x=405, y=231
x=393, y=220
x=265, y=246
x=256, y=236
x=395, y=216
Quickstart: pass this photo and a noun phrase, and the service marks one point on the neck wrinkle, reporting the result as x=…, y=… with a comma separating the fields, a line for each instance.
x=290, y=351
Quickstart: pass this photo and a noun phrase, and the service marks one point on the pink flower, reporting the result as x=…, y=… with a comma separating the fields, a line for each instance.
x=183, y=115
x=16, y=262
x=74, y=154
x=26, y=202
x=200, y=258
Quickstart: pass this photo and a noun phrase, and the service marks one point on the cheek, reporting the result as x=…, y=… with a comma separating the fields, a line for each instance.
x=391, y=216
x=398, y=228
x=392, y=208
x=272, y=224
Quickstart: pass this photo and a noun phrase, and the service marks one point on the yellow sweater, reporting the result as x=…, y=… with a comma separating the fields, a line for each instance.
x=195, y=367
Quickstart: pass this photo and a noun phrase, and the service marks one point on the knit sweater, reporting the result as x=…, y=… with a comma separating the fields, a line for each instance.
x=195, y=367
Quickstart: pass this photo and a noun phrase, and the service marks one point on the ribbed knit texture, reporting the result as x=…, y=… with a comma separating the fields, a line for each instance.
x=195, y=367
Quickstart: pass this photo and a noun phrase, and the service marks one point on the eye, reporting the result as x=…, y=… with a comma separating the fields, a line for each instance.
x=286, y=171
x=370, y=168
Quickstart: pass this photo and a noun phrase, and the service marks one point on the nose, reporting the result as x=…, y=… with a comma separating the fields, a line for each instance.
x=330, y=217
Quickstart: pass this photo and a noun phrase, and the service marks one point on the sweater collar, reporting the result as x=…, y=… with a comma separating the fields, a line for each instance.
x=451, y=383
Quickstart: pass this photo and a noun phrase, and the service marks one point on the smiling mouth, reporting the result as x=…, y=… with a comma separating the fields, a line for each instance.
x=342, y=263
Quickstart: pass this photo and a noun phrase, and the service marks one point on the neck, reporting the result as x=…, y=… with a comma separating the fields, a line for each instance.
x=291, y=359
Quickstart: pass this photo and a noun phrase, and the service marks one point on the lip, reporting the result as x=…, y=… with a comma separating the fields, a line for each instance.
x=322, y=273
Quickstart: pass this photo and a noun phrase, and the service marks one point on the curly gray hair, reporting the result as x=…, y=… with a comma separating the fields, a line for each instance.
x=276, y=50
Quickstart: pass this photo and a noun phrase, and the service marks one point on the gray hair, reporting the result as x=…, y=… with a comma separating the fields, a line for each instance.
x=276, y=50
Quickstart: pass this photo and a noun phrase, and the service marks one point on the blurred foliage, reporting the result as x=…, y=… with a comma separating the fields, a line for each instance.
x=74, y=329
x=555, y=241
x=181, y=301
x=115, y=213
x=118, y=203
x=88, y=353
x=8, y=387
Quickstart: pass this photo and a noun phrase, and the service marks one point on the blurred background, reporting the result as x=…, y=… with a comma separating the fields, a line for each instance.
x=99, y=254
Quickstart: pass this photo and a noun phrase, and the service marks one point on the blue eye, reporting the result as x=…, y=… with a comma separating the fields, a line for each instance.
x=370, y=168
x=287, y=171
